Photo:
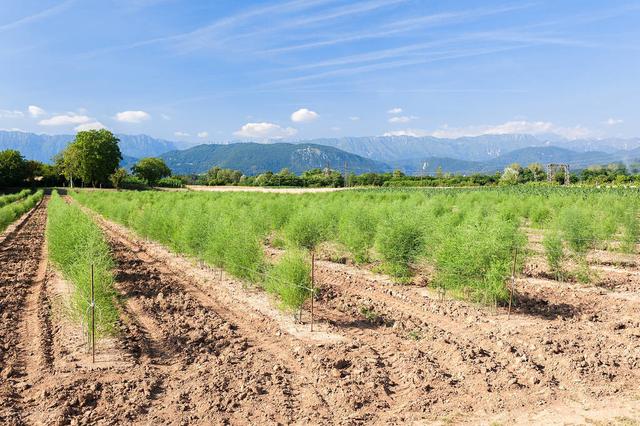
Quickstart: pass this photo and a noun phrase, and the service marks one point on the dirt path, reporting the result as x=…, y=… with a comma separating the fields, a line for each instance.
x=21, y=280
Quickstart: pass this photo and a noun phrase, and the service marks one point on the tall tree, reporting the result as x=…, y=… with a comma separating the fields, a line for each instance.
x=151, y=169
x=13, y=168
x=93, y=156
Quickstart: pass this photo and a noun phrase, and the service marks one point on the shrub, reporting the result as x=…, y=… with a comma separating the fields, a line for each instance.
x=630, y=232
x=306, y=229
x=554, y=251
x=578, y=229
x=357, y=231
x=170, y=182
x=290, y=279
x=475, y=260
x=399, y=241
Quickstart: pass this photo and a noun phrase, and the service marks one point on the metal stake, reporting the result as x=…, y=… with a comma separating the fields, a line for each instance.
x=93, y=319
x=513, y=280
x=313, y=261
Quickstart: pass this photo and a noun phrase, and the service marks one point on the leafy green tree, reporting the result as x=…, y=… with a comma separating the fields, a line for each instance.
x=13, y=168
x=151, y=169
x=92, y=157
x=118, y=177
x=511, y=175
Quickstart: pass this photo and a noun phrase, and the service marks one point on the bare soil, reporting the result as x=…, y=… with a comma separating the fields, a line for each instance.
x=196, y=346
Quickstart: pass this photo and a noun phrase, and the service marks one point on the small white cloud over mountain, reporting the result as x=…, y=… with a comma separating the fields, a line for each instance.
x=93, y=125
x=304, y=115
x=613, y=121
x=65, y=120
x=132, y=116
x=396, y=110
x=203, y=134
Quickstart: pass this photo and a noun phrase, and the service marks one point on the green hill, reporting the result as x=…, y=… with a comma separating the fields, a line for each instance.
x=255, y=158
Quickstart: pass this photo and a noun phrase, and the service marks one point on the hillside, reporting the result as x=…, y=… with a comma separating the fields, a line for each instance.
x=254, y=158
x=479, y=148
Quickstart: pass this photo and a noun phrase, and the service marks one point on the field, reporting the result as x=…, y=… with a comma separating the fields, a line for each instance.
x=446, y=306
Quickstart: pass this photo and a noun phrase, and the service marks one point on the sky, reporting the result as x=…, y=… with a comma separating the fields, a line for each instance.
x=214, y=71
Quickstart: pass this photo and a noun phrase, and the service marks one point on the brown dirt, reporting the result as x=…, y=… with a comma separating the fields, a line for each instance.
x=197, y=347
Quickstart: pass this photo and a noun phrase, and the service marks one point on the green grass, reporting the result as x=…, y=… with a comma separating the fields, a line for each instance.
x=75, y=243
x=12, y=211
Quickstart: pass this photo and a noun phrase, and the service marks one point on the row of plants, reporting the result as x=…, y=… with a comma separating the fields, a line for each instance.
x=10, y=212
x=467, y=237
x=10, y=198
x=75, y=243
x=215, y=235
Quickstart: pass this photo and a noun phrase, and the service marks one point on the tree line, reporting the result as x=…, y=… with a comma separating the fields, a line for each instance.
x=93, y=159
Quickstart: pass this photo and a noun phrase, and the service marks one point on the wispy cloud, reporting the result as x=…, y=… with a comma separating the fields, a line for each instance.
x=202, y=36
x=36, y=16
x=398, y=27
x=398, y=63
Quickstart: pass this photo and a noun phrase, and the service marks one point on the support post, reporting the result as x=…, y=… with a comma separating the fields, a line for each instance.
x=513, y=280
x=313, y=278
x=93, y=319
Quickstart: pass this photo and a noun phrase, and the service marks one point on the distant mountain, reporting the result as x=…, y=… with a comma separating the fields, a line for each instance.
x=45, y=147
x=480, y=148
x=255, y=158
x=486, y=153
x=550, y=154
x=524, y=157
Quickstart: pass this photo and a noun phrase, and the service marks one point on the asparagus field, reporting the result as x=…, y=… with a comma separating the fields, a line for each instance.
x=448, y=306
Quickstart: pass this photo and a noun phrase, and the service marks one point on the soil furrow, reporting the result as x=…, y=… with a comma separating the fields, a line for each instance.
x=21, y=279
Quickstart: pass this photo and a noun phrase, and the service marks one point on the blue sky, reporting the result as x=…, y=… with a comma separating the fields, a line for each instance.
x=221, y=70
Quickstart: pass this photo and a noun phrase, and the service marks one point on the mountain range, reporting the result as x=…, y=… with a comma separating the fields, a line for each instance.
x=413, y=155
x=255, y=158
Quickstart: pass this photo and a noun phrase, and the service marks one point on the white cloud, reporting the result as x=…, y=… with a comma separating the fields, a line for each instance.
x=65, y=120
x=402, y=119
x=508, y=128
x=132, y=116
x=203, y=134
x=354, y=118
x=6, y=113
x=36, y=111
x=304, y=115
x=396, y=110
x=93, y=125
x=613, y=121
x=165, y=117
x=181, y=134
x=264, y=131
